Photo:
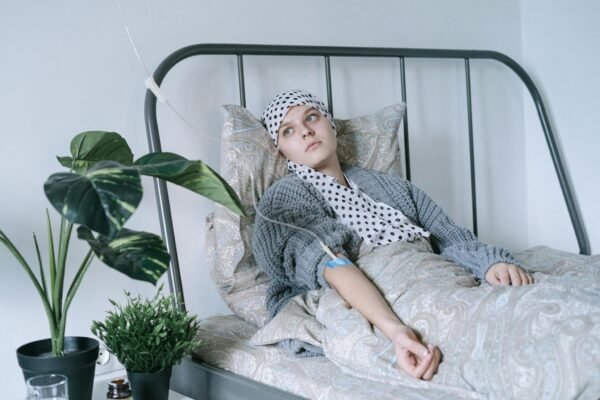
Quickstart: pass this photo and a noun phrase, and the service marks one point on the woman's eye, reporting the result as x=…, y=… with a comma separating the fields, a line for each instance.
x=287, y=131
x=312, y=117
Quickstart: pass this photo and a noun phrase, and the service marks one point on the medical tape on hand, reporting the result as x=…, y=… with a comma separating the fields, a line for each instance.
x=338, y=262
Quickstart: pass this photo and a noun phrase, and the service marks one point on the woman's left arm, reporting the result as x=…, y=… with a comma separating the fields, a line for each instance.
x=492, y=263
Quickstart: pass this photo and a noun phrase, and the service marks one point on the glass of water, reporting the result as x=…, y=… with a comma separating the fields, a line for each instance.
x=47, y=387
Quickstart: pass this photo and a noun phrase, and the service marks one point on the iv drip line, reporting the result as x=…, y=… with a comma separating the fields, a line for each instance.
x=323, y=245
x=151, y=84
x=155, y=89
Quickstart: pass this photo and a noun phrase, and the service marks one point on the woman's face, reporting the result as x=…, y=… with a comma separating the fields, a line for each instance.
x=306, y=137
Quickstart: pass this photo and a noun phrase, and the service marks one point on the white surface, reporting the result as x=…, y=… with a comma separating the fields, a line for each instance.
x=101, y=387
x=68, y=68
x=560, y=48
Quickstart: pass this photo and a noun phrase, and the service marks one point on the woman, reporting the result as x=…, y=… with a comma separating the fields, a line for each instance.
x=350, y=210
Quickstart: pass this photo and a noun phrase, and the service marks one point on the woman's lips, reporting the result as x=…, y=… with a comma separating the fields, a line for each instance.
x=312, y=145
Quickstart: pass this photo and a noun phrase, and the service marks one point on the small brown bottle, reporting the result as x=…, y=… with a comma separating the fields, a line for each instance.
x=119, y=389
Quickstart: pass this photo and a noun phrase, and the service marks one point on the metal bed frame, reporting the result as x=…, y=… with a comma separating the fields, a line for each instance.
x=198, y=380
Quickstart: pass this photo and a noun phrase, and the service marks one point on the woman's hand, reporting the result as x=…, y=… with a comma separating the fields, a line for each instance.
x=413, y=357
x=416, y=359
x=507, y=274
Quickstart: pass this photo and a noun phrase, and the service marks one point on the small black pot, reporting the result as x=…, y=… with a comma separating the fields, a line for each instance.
x=150, y=386
x=78, y=364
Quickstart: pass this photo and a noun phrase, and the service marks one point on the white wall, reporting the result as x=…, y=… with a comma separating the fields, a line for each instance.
x=67, y=67
x=560, y=48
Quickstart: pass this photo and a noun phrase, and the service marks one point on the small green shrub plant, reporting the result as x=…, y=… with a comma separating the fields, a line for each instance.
x=148, y=335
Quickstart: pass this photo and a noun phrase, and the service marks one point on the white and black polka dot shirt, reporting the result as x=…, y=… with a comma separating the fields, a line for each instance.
x=376, y=223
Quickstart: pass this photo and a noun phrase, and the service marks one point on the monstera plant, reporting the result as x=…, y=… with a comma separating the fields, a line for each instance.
x=99, y=193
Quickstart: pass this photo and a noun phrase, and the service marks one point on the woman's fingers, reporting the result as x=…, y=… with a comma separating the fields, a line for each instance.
x=413, y=357
x=413, y=346
x=495, y=280
x=422, y=364
x=526, y=277
x=523, y=275
x=414, y=365
x=433, y=365
x=419, y=367
x=515, y=277
x=492, y=278
x=508, y=274
x=503, y=276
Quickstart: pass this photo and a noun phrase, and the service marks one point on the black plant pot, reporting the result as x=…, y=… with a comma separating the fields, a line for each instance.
x=150, y=386
x=78, y=364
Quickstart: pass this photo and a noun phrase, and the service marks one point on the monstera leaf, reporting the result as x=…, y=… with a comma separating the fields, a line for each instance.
x=100, y=192
x=91, y=147
x=193, y=175
x=139, y=255
x=102, y=198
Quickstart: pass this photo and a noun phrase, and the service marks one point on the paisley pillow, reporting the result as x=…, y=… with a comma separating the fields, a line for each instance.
x=369, y=141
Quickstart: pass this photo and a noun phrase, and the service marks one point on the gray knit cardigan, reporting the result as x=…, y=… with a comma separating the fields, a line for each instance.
x=294, y=260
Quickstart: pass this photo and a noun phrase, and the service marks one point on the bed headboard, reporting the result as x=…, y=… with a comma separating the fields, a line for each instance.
x=241, y=50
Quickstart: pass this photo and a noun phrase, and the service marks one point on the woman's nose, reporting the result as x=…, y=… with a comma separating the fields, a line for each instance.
x=306, y=131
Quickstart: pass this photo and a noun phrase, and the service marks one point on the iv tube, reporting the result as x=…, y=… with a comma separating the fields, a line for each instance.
x=153, y=86
x=323, y=245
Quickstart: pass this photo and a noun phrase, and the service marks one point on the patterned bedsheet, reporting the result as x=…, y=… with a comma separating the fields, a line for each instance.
x=542, y=343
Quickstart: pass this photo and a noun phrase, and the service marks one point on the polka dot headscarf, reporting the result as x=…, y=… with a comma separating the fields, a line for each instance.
x=376, y=223
x=280, y=105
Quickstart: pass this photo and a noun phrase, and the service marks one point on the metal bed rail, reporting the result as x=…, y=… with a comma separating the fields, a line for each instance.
x=241, y=50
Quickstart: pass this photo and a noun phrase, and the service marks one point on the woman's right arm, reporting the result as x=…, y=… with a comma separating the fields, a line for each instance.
x=356, y=289
x=295, y=262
